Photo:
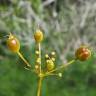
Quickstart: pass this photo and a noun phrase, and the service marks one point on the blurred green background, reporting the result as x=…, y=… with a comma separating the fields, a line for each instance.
x=66, y=24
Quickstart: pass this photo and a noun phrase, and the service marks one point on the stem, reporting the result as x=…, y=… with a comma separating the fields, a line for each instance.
x=39, y=86
x=39, y=48
x=22, y=57
x=40, y=70
x=38, y=57
x=62, y=66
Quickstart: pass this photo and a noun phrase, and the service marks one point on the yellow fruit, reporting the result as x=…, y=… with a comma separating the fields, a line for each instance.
x=38, y=36
x=50, y=65
x=13, y=43
x=53, y=53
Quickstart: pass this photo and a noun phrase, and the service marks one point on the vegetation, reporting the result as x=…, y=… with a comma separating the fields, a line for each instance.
x=65, y=23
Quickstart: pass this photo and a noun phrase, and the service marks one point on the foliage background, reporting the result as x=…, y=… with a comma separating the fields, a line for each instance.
x=65, y=23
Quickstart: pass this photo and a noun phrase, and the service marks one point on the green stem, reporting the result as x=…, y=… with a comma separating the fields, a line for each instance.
x=39, y=86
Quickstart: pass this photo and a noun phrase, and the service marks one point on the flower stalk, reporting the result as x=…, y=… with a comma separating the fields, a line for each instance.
x=38, y=63
x=22, y=57
x=61, y=67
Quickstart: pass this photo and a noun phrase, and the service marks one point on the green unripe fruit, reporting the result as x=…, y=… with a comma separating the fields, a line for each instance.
x=50, y=65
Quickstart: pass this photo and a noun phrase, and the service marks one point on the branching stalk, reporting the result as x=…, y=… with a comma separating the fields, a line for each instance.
x=62, y=66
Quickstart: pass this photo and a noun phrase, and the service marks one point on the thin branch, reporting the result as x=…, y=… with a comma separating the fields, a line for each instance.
x=22, y=57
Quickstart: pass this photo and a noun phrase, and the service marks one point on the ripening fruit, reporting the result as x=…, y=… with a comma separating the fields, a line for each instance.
x=38, y=36
x=82, y=53
x=37, y=68
x=13, y=43
x=50, y=65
